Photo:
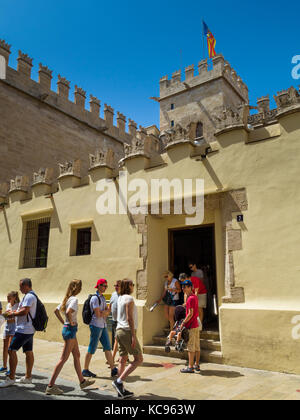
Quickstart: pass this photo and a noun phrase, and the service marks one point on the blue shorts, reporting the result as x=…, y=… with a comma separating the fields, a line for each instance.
x=22, y=340
x=69, y=332
x=9, y=330
x=98, y=334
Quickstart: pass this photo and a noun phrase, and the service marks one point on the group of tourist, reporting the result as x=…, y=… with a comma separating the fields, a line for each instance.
x=19, y=332
x=188, y=291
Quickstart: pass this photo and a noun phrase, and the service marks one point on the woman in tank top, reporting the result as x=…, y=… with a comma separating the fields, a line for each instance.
x=170, y=296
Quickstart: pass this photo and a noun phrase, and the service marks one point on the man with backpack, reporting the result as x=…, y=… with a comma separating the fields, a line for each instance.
x=25, y=316
x=95, y=312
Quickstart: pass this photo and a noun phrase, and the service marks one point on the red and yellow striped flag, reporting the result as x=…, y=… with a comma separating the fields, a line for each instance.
x=211, y=41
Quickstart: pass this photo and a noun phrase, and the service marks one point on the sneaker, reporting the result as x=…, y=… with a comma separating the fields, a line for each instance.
x=127, y=394
x=3, y=369
x=8, y=382
x=114, y=372
x=88, y=374
x=187, y=370
x=167, y=349
x=24, y=381
x=54, y=390
x=7, y=373
x=119, y=388
x=86, y=383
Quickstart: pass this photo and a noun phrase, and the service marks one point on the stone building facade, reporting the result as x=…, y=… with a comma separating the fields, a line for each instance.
x=249, y=165
x=40, y=127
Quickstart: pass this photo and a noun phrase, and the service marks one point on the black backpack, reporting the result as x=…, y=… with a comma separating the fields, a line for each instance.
x=40, y=321
x=87, y=313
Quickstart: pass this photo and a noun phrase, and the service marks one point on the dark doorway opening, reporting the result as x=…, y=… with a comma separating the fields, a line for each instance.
x=196, y=245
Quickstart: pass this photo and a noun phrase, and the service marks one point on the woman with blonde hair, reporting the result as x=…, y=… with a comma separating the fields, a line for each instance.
x=170, y=296
x=69, y=308
x=10, y=327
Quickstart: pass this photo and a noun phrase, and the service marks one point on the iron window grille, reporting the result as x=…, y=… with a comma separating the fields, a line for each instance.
x=84, y=238
x=36, y=243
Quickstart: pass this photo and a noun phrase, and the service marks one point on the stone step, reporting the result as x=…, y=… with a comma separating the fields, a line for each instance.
x=205, y=344
x=206, y=335
x=207, y=356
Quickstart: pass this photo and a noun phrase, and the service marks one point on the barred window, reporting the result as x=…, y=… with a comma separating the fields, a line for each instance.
x=36, y=243
x=84, y=237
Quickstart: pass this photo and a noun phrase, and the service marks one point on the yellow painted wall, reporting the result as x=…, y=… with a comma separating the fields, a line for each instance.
x=267, y=267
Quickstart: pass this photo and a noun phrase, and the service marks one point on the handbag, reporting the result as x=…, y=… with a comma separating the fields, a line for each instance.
x=168, y=299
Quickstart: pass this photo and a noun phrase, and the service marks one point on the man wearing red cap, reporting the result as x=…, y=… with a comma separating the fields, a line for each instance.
x=98, y=328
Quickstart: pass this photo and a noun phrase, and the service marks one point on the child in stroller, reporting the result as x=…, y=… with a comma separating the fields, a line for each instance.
x=181, y=336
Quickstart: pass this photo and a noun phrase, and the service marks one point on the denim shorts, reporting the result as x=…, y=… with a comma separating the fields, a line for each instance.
x=98, y=334
x=69, y=332
x=9, y=330
x=22, y=340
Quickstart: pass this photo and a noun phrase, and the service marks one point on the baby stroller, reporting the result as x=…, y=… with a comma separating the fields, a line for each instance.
x=181, y=336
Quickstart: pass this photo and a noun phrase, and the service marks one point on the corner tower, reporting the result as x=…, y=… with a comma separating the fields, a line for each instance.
x=200, y=97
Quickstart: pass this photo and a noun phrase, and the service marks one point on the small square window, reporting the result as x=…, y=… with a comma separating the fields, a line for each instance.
x=84, y=237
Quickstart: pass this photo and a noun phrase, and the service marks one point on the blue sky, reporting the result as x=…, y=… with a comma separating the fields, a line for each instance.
x=119, y=50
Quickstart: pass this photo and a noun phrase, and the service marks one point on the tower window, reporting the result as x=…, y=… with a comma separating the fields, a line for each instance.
x=172, y=106
x=199, y=130
x=172, y=123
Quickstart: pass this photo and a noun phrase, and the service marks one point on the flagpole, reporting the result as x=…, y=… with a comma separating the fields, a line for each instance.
x=203, y=39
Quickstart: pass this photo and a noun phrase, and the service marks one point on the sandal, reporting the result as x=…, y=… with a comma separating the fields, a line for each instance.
x=187, y=370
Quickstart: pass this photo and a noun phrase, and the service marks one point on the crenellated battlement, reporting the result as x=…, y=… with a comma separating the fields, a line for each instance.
x=287, y=101
x=60, y=100
x=221, y=69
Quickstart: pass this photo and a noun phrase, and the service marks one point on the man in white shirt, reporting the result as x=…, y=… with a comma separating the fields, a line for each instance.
x=23, y=336
x=98, y=329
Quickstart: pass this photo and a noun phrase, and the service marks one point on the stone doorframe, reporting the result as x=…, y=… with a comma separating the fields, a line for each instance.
x=230, y=202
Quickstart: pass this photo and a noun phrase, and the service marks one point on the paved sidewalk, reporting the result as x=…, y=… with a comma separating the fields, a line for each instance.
x=158, y=379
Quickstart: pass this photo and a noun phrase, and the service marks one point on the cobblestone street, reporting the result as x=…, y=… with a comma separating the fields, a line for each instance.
x=157, y=379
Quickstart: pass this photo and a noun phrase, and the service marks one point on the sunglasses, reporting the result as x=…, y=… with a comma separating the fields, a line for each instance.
x=104, y=285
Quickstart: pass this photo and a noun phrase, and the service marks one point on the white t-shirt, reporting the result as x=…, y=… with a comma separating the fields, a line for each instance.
x=122, y=316
x=12, y=308
x=94, y=303
x=72, y=303
x=24, y=323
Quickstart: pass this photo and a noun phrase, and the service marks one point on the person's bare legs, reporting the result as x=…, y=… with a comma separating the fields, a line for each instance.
x=68, y=348
x=87, y=361
x=13, y=362
x=109, y=358
x=122, y=364
x=171, y=317
x=191, y=359
x=6, y=343
x=138, y=360
x=178, y=337
x=201, y=315
x=77, y=364
x=115, y=350
x=166, y=312
x=29, y=364
x=197, y=357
